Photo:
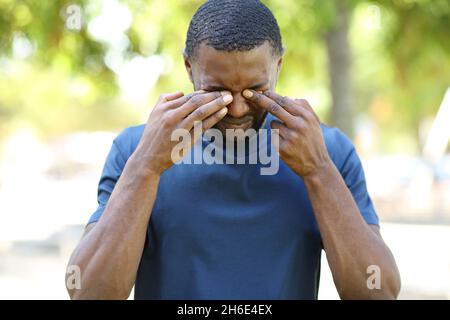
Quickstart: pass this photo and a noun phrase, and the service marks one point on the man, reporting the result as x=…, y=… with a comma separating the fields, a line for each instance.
x=225, y=231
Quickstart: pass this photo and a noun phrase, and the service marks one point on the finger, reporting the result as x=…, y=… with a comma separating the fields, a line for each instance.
x=304, y=103
x=206, y=110
x=298, y=107
x=269, y=105
x=209, y=122
x=277, y=138
x=281, y=127
x=197, y=101
x=286, y=102
x=169, y=96
x=181, y=100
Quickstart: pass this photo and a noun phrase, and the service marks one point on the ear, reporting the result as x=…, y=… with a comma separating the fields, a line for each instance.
x=279, y=64
x=188, y=65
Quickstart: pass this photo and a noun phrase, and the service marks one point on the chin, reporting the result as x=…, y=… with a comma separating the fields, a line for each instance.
x=236, y=132
x=223, y=126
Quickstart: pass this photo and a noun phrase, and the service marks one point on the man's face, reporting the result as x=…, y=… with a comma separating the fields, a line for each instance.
x=257, y=69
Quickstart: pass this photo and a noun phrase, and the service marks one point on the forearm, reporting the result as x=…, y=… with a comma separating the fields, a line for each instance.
x=350, y=244
x=109, y=255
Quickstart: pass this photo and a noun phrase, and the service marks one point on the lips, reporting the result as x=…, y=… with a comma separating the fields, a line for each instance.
x=237, y=124
x=237, y=121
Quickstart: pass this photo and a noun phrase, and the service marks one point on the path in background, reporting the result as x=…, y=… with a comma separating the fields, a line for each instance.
x=35, y=269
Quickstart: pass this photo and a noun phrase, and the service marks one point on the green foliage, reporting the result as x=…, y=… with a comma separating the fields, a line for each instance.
x=400, y=70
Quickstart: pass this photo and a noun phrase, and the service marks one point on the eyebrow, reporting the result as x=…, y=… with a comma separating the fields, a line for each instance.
x=220, y=88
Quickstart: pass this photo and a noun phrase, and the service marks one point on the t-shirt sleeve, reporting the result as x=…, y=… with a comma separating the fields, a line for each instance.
x=115, y=162
x=348, y=163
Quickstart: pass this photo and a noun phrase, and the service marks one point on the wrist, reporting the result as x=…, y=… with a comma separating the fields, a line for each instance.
x=145, y=164
x=320, y=174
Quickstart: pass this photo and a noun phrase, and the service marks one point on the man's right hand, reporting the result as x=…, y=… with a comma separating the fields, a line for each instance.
x=178, y=111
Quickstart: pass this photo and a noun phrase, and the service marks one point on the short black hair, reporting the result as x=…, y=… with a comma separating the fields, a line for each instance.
x=233, y=25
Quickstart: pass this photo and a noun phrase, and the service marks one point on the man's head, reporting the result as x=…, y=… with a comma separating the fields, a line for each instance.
x=234, y=45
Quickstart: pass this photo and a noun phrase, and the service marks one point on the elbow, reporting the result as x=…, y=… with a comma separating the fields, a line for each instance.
x=391, y=286
x=390, y=282
x=76, y=294
x=98, y=294
x=388, y=288
x=93, y=287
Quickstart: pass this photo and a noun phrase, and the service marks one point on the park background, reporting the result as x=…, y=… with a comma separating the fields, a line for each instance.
x=75, y=73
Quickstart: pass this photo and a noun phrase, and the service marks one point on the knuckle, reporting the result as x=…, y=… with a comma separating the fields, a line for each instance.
x=163, y=97
x=284, y=149
x=298, y=126
x=187, y=97
x=168, y=119
x=284, y=100
x=309, y=116
x=273, y=107
x=294, y=136
x=302, y=102
x=289, y=146
x=196, y=99
x=303, y=128
x=216, y=102
x=190, y=95
x=199, y=113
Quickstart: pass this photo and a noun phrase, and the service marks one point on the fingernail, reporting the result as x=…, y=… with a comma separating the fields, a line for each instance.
x=223, y=93
x=227, y=98
x=223, y=111
x=247, y=93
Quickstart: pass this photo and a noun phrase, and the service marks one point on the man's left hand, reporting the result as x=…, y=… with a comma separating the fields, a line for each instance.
x=301, y=143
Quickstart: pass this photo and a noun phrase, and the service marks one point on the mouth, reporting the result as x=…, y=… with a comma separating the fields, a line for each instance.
x=237, y=123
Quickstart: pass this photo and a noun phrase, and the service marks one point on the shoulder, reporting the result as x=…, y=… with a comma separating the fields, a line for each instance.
x=127, y=140
x=339, y=146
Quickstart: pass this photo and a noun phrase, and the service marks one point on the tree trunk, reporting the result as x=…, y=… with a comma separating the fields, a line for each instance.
x=339, y=64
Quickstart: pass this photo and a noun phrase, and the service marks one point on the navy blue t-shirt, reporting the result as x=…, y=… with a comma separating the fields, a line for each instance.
x=224, y=231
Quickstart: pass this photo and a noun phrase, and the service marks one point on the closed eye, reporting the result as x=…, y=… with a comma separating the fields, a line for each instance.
x=214, y=89
x=258, y=87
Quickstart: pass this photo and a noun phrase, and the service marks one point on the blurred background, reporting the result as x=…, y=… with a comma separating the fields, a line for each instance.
x=75, y=73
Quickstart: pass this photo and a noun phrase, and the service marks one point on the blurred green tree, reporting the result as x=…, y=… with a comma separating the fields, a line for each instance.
x=62, y=80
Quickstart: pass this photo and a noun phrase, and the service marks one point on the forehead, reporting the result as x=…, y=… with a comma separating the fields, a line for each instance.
x=236, y=69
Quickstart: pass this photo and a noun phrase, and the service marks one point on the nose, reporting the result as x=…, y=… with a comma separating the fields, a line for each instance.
x=239, y=107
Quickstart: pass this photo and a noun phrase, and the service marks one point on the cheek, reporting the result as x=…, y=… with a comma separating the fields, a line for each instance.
x=197, y=78
x=258, y=113
x=197, y=83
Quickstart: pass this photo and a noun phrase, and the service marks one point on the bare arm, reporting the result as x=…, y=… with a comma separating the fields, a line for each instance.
x=350, y=243
x=109, y=253
x=108, y=256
